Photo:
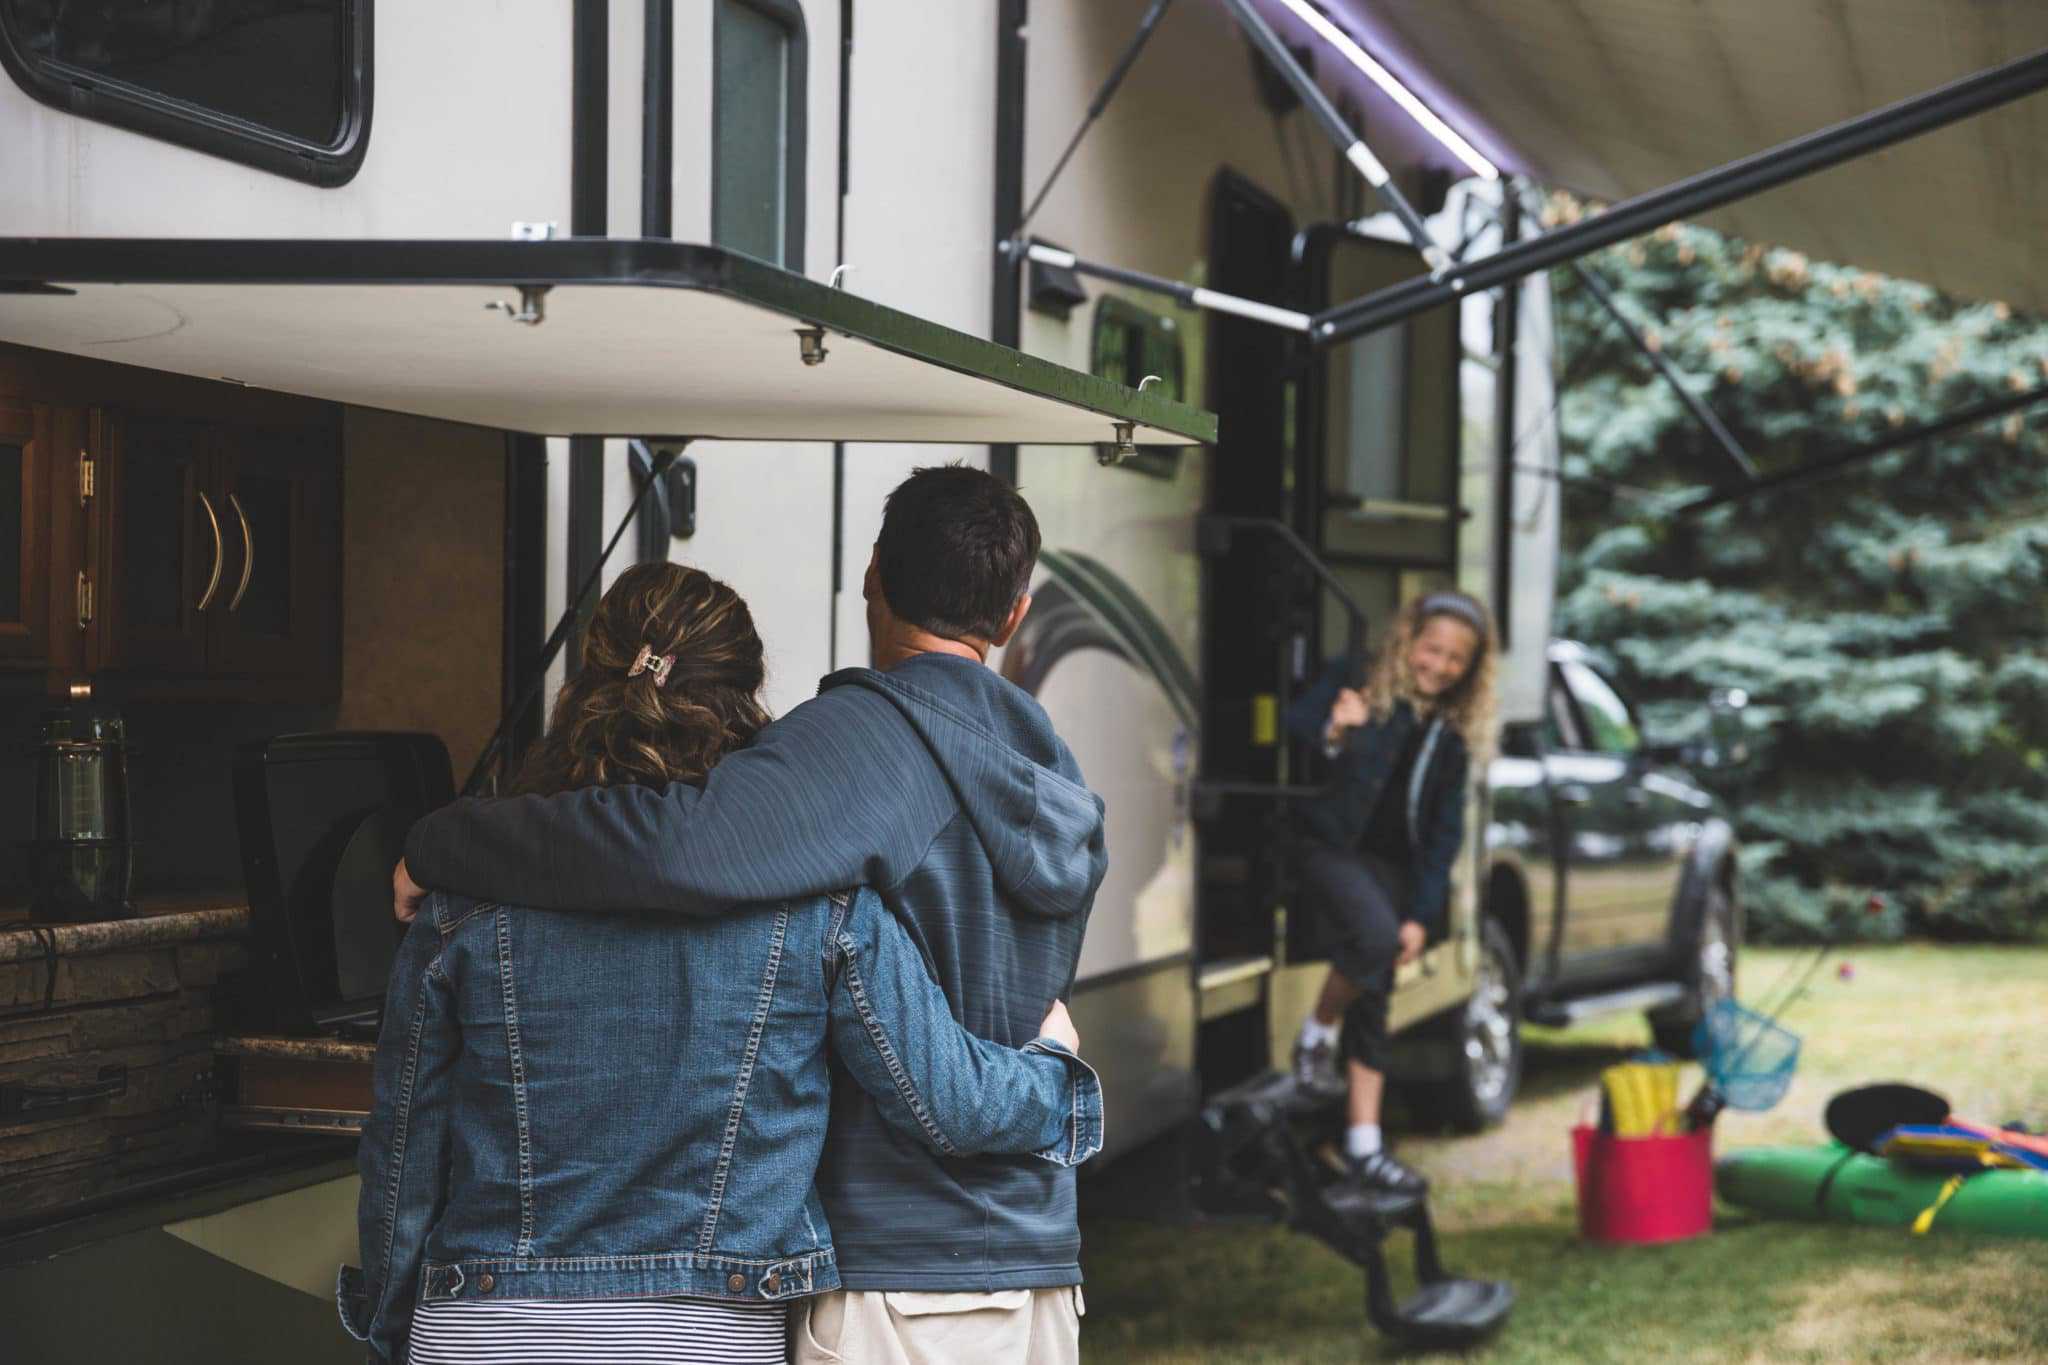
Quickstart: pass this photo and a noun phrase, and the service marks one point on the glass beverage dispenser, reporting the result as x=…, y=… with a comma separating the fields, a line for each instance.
x=81, y=859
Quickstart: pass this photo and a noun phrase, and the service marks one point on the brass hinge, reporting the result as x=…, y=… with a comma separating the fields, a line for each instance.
x=84, y=599
x=85, y=479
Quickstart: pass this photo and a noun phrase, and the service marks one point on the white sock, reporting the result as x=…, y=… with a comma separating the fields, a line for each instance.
x=1361, y=1140
x=1314, y=1030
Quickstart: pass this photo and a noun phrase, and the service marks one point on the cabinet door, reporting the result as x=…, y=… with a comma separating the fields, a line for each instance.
x=279, y=614
x=24, y=470
x=163, y=546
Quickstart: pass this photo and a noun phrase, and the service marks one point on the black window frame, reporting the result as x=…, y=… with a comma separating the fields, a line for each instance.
x=1154, y=461
x=138, y=109
x=790, y=15
x=1313, y=489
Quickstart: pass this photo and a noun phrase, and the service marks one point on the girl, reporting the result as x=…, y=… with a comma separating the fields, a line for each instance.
x=1381, y=841
x=594, y=1137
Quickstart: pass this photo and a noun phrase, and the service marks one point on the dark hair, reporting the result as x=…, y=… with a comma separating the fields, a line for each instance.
x=611, y=725
x=956, y=551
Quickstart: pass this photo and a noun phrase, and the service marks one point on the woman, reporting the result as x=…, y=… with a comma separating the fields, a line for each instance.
x=1381, y=841
x=594, y=1137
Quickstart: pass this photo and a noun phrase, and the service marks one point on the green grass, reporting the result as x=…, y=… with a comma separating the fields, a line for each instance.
x=1971, y=1023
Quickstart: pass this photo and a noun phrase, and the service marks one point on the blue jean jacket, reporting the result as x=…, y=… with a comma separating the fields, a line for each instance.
x=577, y=1107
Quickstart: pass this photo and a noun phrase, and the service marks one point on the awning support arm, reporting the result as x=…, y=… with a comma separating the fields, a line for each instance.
x=1693, y=196
x=1192, y=296
x=1839, y=463
x=1701, y=413
x=1350, y=144
x=1014, y=239
x=662, y=455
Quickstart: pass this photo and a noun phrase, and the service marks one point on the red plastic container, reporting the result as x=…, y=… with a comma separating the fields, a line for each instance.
x=1640, y=1191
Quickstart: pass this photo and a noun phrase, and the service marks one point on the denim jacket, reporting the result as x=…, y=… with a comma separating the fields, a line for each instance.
x=577, y=1107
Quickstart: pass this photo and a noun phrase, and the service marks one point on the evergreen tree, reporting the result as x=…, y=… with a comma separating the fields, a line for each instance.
x=1888, y=623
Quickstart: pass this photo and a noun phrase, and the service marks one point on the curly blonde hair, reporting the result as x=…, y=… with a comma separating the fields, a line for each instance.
x=1470, y=704
x=611, y=726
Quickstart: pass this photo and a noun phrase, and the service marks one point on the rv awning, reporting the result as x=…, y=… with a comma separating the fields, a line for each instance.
x=1614, y=98
x=636, y=338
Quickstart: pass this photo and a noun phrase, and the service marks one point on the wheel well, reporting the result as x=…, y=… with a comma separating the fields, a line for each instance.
x=1507, y=900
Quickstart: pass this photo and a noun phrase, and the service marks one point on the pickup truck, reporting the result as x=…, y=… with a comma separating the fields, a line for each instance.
x=1607, y=883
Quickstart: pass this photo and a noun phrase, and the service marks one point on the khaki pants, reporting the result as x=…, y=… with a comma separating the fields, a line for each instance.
x=1010, y=1327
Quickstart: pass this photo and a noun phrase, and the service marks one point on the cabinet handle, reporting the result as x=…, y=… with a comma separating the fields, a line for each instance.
x=219, y=549
x=248, y=552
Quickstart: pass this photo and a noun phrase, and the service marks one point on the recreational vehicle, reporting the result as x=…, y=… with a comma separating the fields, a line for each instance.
x=339, y=351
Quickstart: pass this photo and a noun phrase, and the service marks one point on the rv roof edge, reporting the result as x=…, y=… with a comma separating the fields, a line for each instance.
x=636, y=336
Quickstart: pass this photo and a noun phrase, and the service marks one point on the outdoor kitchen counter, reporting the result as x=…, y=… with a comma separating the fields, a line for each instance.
x=162, y=923
x=137, y=992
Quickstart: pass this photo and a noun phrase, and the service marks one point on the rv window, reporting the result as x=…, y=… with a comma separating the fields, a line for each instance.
x=1130, y=344
x=1389, y=420
x=279, y=84
x=757, y=134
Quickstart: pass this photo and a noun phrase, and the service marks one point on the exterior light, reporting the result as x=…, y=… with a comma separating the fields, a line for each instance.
x=1399, y=93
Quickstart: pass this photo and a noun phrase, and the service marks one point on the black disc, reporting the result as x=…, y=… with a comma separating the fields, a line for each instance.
x=1859, y=1117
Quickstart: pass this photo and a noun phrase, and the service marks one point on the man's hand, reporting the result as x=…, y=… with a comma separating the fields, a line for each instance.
x=1348, y=712
x=1060, y=1028
x=406, y=894
x=1412, y=940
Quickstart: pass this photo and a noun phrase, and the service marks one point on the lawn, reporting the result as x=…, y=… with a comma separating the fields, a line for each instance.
x=1971, y=1023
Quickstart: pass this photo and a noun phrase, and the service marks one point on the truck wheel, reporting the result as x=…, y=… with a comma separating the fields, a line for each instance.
x=1486, y=1042
x=1709, y=973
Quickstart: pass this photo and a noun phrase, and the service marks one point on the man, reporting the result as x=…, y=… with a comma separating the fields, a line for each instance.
x=944, y=787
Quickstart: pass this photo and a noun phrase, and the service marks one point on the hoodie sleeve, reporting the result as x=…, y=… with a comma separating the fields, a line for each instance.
x=838, y=792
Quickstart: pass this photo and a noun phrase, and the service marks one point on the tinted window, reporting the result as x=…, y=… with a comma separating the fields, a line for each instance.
x=280, y=83
x=1130, y=345
x=1610, y=727
x=757, y=139
x=1390, y=419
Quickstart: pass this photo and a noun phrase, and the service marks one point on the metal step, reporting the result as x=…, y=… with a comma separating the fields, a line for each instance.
x=1232, y=984
x=1560, y=1013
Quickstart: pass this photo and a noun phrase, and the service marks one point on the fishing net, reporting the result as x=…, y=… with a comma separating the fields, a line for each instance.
x=1750, y=1059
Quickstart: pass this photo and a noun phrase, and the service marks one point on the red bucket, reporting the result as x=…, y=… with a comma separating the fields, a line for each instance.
x=1644, y=1190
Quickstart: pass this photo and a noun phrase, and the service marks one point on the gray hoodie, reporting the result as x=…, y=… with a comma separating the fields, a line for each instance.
x=943, y=787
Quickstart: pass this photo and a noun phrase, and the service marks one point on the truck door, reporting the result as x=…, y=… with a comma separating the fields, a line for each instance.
x=1618, y=881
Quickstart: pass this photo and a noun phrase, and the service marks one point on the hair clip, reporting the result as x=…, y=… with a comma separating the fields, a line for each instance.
x=647, y=660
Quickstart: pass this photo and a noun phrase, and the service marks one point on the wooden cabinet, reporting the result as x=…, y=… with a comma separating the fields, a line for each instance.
x=281, y=490
x=24, y=480
x=220, y=556
x=166, y=537
x=156, y=525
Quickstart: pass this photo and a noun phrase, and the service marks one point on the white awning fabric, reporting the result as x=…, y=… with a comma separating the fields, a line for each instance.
x=1614, y=98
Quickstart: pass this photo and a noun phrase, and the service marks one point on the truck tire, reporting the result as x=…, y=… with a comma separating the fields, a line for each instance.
x=1486, y=1043
x=1709, y=972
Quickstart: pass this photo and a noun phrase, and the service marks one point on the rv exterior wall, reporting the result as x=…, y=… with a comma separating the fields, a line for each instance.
x=470, y=132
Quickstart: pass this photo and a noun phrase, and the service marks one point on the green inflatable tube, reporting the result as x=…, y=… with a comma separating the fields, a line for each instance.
x=1833, y=1182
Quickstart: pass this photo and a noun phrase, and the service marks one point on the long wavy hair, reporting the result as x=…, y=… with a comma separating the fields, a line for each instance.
x=1471, y=704
x=611, y=726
